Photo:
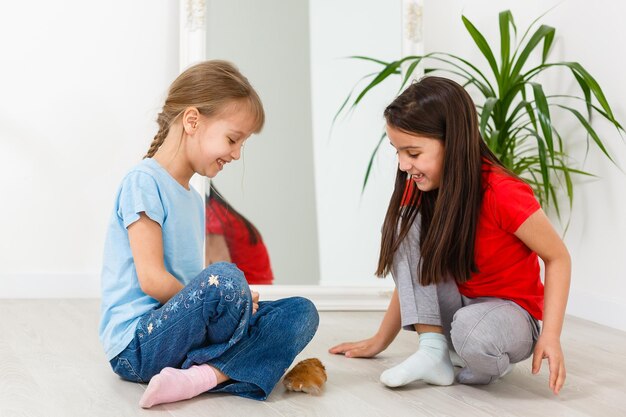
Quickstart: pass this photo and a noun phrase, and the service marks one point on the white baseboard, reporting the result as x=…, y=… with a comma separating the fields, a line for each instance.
x=335, y=298
x=47, y=285
x=584, y=304
x=326, y=298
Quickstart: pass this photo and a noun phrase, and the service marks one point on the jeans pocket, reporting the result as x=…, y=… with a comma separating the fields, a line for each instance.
x=123, y=368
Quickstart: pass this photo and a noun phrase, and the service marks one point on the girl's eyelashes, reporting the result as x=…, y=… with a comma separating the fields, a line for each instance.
x=231, y=141
x=410, y=155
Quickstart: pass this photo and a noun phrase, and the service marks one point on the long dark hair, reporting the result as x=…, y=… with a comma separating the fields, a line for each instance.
x=441, y=109
x=253, y=233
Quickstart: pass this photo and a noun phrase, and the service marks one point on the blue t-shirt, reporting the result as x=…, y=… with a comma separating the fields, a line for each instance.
x=150, y=189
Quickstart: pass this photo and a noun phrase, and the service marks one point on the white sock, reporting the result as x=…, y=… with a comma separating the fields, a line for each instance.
x=431, y=364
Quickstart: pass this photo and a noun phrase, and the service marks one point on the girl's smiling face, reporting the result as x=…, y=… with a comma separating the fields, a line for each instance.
x=419, y=156
x=219, y=140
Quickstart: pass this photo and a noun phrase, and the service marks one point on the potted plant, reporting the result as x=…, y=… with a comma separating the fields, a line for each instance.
x=515, y=111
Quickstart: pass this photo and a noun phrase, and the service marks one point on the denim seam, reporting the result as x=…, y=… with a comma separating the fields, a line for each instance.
x=146, y=343
x=126, y=363
x=225, y=365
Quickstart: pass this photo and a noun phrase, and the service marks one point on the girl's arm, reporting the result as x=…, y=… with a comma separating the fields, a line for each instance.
x=387, y=331
x=146, y=245
x=216, y=249
x=539, y=235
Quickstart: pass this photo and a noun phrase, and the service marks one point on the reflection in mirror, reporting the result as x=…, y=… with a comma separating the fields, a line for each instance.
x=319, y=225
x=272, y=184
x=230, y=237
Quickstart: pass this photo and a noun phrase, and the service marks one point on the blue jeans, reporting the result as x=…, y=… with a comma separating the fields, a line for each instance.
x=210, y=321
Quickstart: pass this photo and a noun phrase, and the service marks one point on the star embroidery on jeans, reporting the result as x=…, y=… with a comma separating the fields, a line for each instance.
x=150, y=327
x=213, y=280
x=193, y=297
x=228, y=284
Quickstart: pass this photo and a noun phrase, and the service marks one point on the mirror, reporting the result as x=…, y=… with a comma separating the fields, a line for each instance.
x=273, y=185
x=299, y=185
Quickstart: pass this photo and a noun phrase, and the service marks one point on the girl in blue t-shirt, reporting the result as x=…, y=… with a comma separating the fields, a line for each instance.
x=165, y=319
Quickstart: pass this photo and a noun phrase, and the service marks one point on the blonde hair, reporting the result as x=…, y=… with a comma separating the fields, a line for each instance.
x=210, y=86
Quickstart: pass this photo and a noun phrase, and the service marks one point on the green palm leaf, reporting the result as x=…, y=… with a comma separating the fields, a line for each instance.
x=371, y=161
x=515, y=120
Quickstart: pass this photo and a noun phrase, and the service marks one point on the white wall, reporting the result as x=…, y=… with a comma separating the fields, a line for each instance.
x=349, y=222
x=81, y=85
x=593, y=35
x=596, y=238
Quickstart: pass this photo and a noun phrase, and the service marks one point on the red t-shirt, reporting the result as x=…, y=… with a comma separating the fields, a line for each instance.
x=507, y=268
x=252, y=259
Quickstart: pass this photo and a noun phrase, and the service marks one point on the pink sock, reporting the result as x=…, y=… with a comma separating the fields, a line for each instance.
x=178, y=384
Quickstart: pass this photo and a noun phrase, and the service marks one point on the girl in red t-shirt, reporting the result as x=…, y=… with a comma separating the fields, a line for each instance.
x=462, y=237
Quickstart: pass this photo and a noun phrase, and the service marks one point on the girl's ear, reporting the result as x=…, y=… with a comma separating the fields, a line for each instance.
x=191, y=116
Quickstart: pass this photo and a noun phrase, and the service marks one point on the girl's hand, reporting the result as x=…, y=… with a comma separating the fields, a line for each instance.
x=549, y=347
x=388, y=330
x=363, y=349
x=255, y=301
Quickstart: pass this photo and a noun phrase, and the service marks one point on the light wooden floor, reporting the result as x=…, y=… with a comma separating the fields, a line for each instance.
x=51, y=364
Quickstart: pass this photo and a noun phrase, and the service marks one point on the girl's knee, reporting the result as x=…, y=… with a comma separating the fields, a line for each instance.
x=472, y=336
x=484, y=342
x=226, y=270
x=308, y=311
x=303, y=314
x=479, y=354
x=218, y=274
x=226, y=295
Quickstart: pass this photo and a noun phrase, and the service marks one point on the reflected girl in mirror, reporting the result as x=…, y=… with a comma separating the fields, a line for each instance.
x=231, y=237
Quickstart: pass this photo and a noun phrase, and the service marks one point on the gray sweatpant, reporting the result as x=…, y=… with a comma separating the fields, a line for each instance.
x=488, y=333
